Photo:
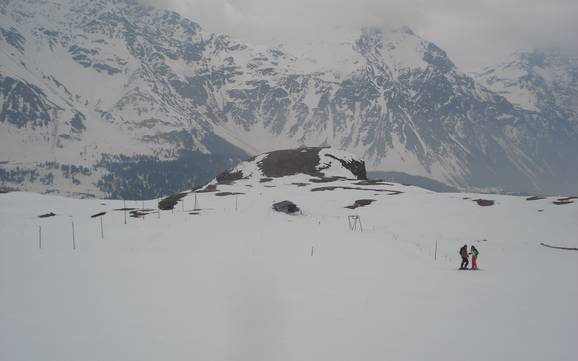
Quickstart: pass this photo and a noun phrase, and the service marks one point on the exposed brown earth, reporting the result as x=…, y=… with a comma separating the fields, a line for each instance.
x=46, y=215
x=298, y=184
x=332, y=188
x=224, y=194
x=326, y=179
x=286, y=162
x=373, y=182
x=360, y=203
x=138, y=213
x=565, y=200
x=534, y=198
x=484, y=202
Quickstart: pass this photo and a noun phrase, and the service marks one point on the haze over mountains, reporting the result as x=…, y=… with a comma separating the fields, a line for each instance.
x=116, y=99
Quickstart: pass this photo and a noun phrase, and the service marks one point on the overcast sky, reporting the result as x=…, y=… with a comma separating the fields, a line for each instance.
x=473, y=33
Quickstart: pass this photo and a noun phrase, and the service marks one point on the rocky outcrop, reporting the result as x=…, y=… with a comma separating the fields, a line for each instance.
x=322, y=163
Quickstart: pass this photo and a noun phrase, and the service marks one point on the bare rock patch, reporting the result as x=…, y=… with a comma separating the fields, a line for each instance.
x=360, y=203
x=484, y=202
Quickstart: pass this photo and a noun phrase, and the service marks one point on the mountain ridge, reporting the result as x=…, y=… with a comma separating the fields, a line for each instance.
x=128, y=93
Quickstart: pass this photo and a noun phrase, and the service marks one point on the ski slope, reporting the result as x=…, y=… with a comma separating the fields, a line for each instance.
x=239, y=281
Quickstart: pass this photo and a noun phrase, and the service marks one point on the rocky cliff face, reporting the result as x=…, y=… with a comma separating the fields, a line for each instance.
x=113, y=98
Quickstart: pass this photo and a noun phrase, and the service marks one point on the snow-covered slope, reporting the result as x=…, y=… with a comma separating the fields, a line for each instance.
x=222, y=276
x=107, y=97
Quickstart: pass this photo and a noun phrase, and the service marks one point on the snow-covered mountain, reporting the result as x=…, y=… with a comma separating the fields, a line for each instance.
x=542, y=81
x=116, y=99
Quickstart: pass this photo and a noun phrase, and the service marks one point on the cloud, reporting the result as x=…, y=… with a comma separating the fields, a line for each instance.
x=489, y=30
x=473, y=33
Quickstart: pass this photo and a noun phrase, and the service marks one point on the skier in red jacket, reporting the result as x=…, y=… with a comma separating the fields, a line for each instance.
x=474, y=252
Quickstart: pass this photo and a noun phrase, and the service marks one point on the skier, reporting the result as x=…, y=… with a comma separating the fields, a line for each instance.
x=474, y=252
x=464, y=254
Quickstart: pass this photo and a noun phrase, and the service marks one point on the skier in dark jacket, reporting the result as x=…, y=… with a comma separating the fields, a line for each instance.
x=464, y=254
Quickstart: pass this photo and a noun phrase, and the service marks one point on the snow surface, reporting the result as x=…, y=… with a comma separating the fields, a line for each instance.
x=241, y=282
